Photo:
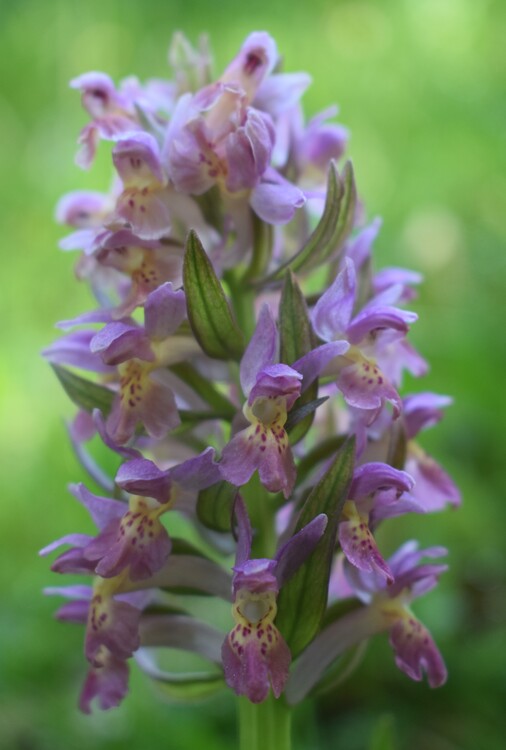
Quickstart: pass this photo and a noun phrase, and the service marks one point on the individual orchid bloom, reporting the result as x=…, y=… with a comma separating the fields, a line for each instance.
x=132, y=537
x=145, y=203
x=360, y=379
x=112, y=635
x=375, y=486
x=386, y=608
x=111, y=110
x=415, y=651
x=271, y=390
x=138, y=540
x=142, y=355
x=148, y=264
x=215, y=137
x=434, y=488
x=255, y=654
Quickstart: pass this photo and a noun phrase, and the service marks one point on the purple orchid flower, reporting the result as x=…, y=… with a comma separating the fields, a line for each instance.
x=363, y=384
x=148, y=264
x=132, y=537
x=142, y=355
x=112, y=636
x=255, y=654
x=144, y=205
x=434, y=488
x=215, y=137
x=375, y=486
x=271, y=391
x=111, y=111
x=386, y=609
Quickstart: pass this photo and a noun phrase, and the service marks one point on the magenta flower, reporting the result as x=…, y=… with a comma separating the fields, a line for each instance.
x=255, y=655
x=363, y=384
x=271, y=390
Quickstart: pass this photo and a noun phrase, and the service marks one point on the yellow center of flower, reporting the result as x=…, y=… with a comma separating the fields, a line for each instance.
x=267, y=416
x=140, y=524
x=254, y=616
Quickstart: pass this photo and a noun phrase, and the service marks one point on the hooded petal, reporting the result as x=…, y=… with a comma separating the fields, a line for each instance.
x=276, y=202
x=164, y=311
x=119, y=341
x=332, y=313
x=261, y=351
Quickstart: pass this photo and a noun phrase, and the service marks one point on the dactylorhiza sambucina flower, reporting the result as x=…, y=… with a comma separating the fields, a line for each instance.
x=241, y=338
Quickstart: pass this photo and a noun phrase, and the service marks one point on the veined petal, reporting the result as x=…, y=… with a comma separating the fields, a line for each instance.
x=281, y=91
x=372, y=477
x=113, y=624
x=107, y=682
x=375, y=318
x=261, y=351
x=140, y=542
x=141, y=400
x=164, y=311
x=332, y=313
x=277, y=381
x=312, y=365
x=359, y=545
x=434, y=488
x=146, y=210
x=423, y=410
x=416, y=652
x=118, y=342
x=256, y=59
x=364, y=386
x=136, y=157
x=276, y=202
x=142, y=477
x=103, y=510
x=264, y=448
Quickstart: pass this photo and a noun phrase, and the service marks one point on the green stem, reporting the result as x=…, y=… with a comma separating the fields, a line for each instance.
x=264, y=726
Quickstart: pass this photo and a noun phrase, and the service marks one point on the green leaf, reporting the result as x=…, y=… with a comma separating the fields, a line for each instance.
x=205, y=389
x=398, y=446
x=209, y=313
x=214, y=506
x=297, y=339
x=301, y=413
x=319, y=453
x=84, y=393
x=263, y=234
x=303, y=600
x=333, y=228
x=341, y=669
x=189, y=687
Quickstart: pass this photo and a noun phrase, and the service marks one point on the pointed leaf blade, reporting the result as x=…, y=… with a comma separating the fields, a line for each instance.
x=84, y=393
x=209, y=312
x=214, y=506
x=297, y=339
x=303, y=600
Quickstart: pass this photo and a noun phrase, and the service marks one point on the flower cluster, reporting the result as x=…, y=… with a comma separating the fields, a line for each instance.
x=247, y=363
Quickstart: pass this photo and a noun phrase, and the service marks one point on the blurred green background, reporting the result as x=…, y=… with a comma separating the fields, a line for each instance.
x=421, y=85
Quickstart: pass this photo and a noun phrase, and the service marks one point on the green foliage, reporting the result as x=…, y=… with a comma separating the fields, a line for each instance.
x=302, y=601
x=84, y=393
x=209, y=313
x=214, y=506
x=297, y=339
